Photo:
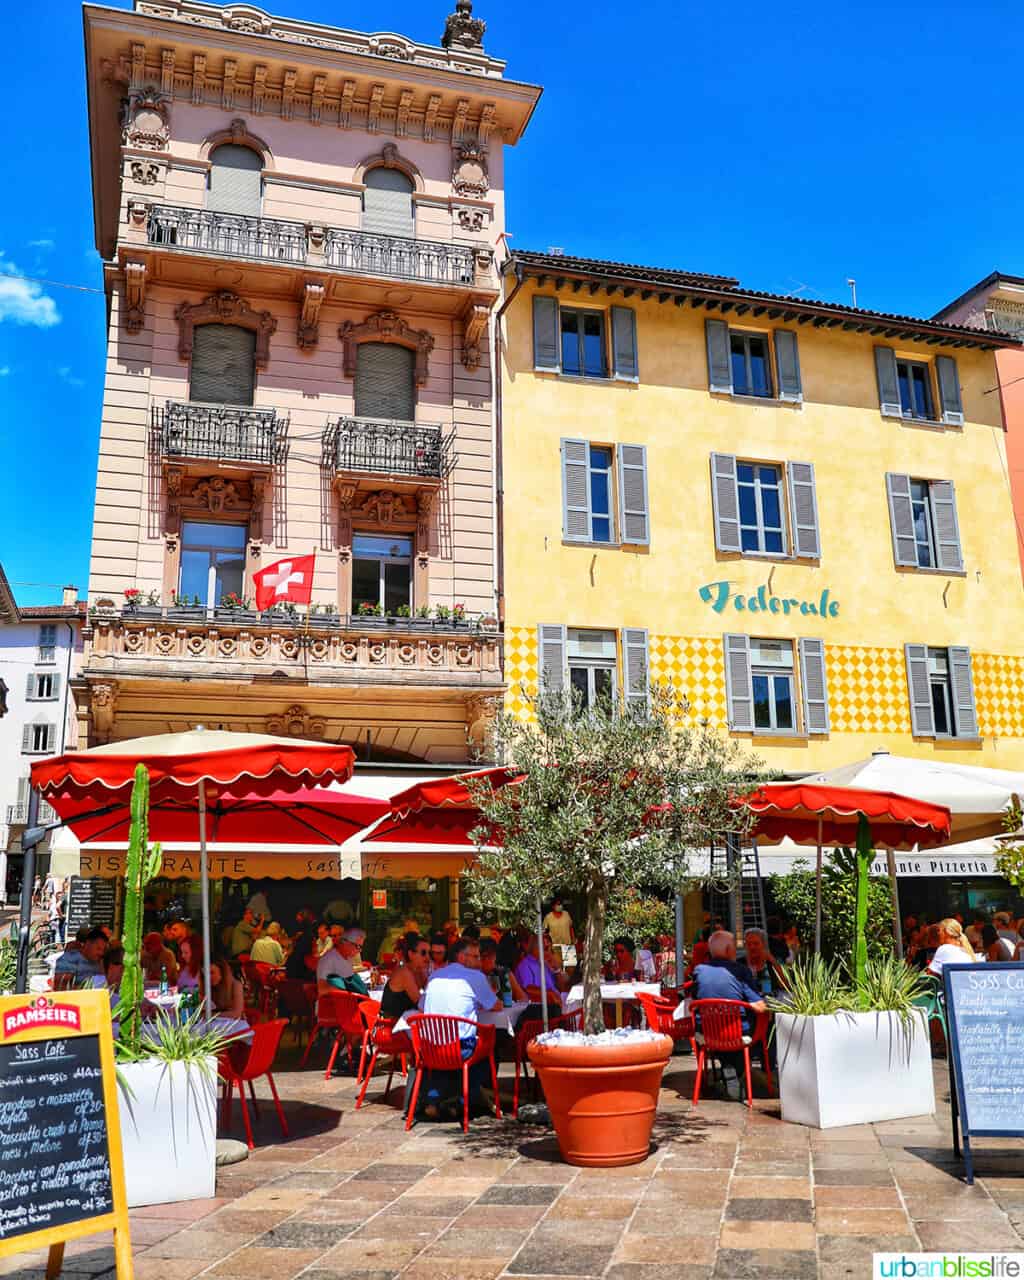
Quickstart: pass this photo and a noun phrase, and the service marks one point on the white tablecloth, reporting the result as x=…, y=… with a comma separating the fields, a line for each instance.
x=612, y=991
x=503, y=1019
x=229, y=1028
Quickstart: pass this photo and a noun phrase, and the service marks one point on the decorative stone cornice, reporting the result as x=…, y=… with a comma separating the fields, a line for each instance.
x=296, y=722
x=309, y=315
x=474, y=326
x=386, y=326
x=469, y=171
x=224, y=307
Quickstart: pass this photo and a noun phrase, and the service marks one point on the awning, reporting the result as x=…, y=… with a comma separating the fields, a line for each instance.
x=966, y=860
x=255, y=862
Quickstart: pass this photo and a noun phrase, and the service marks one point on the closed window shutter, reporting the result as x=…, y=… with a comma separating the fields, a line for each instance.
x=26, y=738
x=551, y=645
x=638, y=683
x=725, y=500
x=803, y=502
x=813, y=686
x=922, y=715
x=888, y=383
x=547, y=352
x=223, y=364
x=942, y=497
x=385, y=382
x=24, y=791
x=55, y=685
x=30, y=685
x=235, y=180
x=51, y=737
x=739, y=689
x=719, y=361
x=633, y=502
x=387, y=203
x=576, y=490
x=949, y=391
x=901, y=519
x=788, y=361
x=965, y=709
x=627, y=365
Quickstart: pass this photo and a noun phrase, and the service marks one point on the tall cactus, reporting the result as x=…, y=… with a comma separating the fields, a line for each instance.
x=865, y=856
x=143, y=864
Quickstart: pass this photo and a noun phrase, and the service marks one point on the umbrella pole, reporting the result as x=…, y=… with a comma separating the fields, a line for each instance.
x=897, y=928
x=817, y=896
x=204, y=889
x=680, y=943
x=540, y=955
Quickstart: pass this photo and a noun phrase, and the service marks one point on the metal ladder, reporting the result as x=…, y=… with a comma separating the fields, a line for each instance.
x=736, y=892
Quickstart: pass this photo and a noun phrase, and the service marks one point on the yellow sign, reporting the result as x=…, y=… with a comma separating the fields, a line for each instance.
x=61, y=1166
x=317, y=864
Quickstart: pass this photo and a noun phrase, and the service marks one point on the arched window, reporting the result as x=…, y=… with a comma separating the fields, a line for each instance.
x=223, y=364
x=235, y=182
x=385, y=382
x=387, y=203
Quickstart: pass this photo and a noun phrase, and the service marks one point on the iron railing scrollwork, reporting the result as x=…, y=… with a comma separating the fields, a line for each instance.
x=229, y=433
x=381, y=255
x=384, y=447
x=233, y=235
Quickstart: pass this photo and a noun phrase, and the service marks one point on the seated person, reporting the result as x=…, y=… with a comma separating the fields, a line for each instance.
x=622, y=966
x=268, y=949
x=191, y=971
x=722, y=977
x=77, y=967
x=438, y=950
x=504, y=982
x=527, y=972
x=113, y=970
x=245, y=933
x=227, y=995
x=459, y=990
x=954, y=947
x=157, y=960
x=646, y=968
x=768, y=977
x=336, y=971
x=405, y=986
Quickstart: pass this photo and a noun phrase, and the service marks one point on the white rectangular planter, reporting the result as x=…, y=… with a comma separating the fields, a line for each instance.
x=854, y=1068
x=168, y=1116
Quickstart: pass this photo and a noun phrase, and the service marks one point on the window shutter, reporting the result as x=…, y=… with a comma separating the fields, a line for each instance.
x=813, y=686
x=888, y=383
x=387, y=203
x=235, y=180
x=638, y=683
x=719, y=361
x=26, y=738
x=965, y=710
x=634, y=515
x=24, y=791
x=942, y=497
x=922, y=716
x=55, y=685
x=788, y=361
x=624, y=350
x=551, y=645
x=901, y=519
x=576, y=490
x=30, y=685
x=803, y=503
x=223, y=364
x=725, y=501
x=547, y=351
x=385, y=384
x=51, y=737
x=949, y=391
x=739, y=689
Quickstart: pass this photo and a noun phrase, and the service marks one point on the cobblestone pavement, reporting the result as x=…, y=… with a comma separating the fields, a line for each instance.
x=727, y=1194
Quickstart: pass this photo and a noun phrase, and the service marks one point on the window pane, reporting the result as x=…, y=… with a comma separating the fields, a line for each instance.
x=783, y=702
x=367, y=544
x=903, y=377
x=745, y=473
x=570, y=343
x=770, y=501
x=922, y=534
x=230, y=572
x=599, y=495
x=762, y=703
x=593, y=346
x=602, y=529
x=198, y=533
x=940, y=707
x=195, y=572
x=759, y=378
x=365, y=583
x=739, y=366
x=603, y=684
x=920, y=385
x=579, y=679
x=748, y=505
x=773, y=541
x=397, y=584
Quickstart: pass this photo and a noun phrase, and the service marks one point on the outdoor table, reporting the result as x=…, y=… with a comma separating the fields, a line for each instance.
x=617, y=993
x=504, y=1019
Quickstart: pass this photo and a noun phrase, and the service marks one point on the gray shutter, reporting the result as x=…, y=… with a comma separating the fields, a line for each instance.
x=547, y=350
x=813, y=686
x=803, y=504
x=788, y=361
x=576, y=490
x=51, y=737
x=635, y=660
x=719, y=361
x=624, y=351
x=922, y=715
x=888, y=383
x=551, y=647
x=961, y=681
x=634, y=515
x=725, y=500
x=949, y=391
x=30, y=685
x=26, y=738
x=24, y=791
x=901, y=519
x=739, y=689
x=387, y=203
x=235, y=180
x=223, y=364
x=385, y=384
x=55, y=685
x=942, y=497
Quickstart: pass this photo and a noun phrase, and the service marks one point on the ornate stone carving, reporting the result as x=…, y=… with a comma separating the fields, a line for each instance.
x=348, y=93
x=389, y=157
x=387, y=508
x=103, y=703
x=288, y=93
x=216, y=494
x=259, y=87
x=309, y=316
x=424, y=507
x=460, y=121
x=259, y=497
x=148, y=120
x=488, y=123
x=167, y=71
x=470, y=219
x=402, y=118
x=134, y=296
x=227, y=88
x=374, y=109
x=469, y=171
x=145, y=172
x=173, y=477
x=296, y=722
x=239, y=133
x=481, y=712
x=386, y=326
x=430, y=117
x=474, y=326
x=462, y=30
x=198, y=79
x=316, y=100
x=138, y=212
x=224, y=307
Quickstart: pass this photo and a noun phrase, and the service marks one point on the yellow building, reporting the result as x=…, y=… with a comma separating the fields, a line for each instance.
x=795, y=512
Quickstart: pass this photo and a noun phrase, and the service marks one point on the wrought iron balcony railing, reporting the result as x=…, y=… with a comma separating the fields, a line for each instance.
x=230, y=234
x=386, y=448
x=17, y=814
x=377, y=255
x=227, y=433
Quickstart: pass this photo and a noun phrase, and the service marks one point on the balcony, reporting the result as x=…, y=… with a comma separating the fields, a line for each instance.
x=431, y=261
x=17, y=814
x=220, y=433
x=385, y=449
x=228, y=235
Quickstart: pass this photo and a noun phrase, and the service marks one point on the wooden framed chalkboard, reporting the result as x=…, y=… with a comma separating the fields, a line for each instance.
x=61, y=1170
x=985, y=1016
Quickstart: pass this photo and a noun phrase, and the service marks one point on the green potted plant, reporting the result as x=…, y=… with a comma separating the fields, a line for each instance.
x=285, y=614
x=369, y=614
x=186, y=608
x=606, y=796
x=235, y=607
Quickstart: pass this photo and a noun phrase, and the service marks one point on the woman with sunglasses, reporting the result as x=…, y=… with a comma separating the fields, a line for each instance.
x=406, y=984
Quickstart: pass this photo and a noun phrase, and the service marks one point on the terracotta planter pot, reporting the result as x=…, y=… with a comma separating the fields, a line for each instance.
x=602, y=1098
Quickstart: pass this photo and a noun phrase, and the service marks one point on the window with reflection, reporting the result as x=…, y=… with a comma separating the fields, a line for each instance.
x=751, y=364
x=583, y=343
x=772, y=677
x=915, y=389
x=592, y=667
x=761, y=519
x=212, y=561
x=381, y=574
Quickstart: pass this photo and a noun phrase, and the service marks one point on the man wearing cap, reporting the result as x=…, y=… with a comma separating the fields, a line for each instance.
x=335, y=970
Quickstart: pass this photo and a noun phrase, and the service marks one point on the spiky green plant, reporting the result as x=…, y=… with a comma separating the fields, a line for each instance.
x=890, y=984
x=193, y=1042
x=8, y=964
x=865, y=854
x=815, y=988
x=142, y=865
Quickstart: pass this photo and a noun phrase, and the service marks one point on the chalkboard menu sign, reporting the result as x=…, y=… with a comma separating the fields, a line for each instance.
x=91, y=901
x=61, y=1173
x=985, y=1013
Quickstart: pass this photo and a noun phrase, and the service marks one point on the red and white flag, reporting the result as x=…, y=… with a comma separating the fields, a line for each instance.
x=290, y=579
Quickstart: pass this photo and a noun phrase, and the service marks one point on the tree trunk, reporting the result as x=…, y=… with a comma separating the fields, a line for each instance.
x=597, y=911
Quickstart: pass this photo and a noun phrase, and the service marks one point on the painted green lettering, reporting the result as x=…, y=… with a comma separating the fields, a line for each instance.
x=833, y=609
x=762, y=602
x=752, y=604
x=716, y=594
x=737, y=603
x=774, y=604
x=823, y=606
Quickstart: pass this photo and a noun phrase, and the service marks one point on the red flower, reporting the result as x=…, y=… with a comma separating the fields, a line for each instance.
x=131, y=592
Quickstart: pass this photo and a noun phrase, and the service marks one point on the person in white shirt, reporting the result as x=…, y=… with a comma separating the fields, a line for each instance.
x=459, y=990
x=336, y=970
x=953, y=947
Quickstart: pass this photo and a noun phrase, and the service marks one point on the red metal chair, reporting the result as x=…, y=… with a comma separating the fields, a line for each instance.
x=296, y=1001
x=337, y=1011
x=721, y=1031
x=530, y=1030
x=658, y=1011
x=242, y=1064
x=438, y=1047
x=380, y=1039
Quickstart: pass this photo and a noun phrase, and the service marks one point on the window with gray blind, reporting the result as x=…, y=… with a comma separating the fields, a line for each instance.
x=38, y=739
x=586, y=662
x=765, y=509
x=906, y=390
x=223, y=365
x=740, y=362
x=761, y=686
x=574, y=342
x=941, y=687
x=925, y=529
x=236, y=182
x=387, y=203
x=385, y=381
x=590, y=511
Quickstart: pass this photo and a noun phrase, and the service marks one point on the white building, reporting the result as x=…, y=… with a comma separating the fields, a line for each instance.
x=40, y=657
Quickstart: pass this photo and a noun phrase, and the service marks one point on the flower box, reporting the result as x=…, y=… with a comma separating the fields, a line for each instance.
x=186, y=613
x=240, y=617
x=141, y=612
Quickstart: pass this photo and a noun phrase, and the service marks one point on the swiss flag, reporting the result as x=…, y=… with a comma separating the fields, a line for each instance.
x=290, y=579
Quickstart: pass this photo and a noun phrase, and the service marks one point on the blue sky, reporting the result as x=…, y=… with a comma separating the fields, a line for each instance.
x=792, y=146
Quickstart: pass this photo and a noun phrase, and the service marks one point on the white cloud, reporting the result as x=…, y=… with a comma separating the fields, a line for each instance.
x=65, y=375
x=4, y=370
x=24, y=301
x=41, y=244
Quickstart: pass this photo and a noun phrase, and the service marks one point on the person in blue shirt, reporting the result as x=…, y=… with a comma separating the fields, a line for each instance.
x=77, y=967
x=723, y=977
x=459, y=990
